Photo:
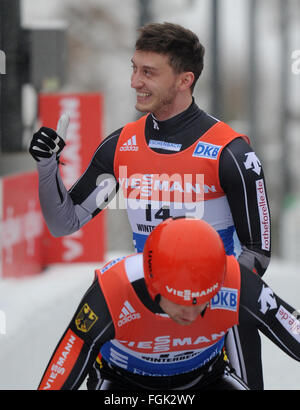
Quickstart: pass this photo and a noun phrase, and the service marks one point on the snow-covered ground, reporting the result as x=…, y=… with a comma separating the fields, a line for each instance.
x=38, y=309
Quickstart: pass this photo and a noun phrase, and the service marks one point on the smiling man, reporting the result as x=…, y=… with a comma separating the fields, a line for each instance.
x=159, y=89
x=179, y=161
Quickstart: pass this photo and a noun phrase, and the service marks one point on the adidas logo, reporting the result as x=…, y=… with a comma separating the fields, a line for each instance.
x=127, y=314
x=130, y=145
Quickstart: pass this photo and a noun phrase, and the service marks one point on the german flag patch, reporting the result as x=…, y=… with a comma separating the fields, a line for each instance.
x=85, y=319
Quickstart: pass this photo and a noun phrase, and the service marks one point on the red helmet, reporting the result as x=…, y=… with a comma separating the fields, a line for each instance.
x=184, y=261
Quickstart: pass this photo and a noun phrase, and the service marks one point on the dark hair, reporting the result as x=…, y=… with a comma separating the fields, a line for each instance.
x=181, y=45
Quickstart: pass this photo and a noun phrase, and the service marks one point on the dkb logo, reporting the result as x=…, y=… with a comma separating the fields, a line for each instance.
x=2, y=62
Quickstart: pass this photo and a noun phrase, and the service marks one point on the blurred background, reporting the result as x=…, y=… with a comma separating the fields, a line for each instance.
x=251, y=80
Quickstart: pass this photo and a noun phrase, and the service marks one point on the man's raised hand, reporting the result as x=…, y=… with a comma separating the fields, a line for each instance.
x=46, y=141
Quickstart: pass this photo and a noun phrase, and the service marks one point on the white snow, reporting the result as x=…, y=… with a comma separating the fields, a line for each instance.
x=38, y=309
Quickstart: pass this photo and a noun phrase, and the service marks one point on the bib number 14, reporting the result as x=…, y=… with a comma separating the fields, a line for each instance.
x=163, y=213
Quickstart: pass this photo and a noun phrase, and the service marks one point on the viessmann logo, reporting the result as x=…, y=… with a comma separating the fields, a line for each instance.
x=188, y=294
x=127, y=314
x=164, y=343
x=179, y=188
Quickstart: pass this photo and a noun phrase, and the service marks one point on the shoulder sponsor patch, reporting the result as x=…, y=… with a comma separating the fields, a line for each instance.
x=205, y=150
x=111, y=263
x=85, y=319
x=226, y=299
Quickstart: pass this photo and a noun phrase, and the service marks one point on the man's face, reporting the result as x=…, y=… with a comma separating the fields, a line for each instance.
x=181, y=314
x=156, y=84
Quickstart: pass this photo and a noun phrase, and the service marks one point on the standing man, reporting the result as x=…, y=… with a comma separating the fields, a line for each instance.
x=176, y=160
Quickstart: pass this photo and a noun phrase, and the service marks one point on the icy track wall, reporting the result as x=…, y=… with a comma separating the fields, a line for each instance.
x=37, y=310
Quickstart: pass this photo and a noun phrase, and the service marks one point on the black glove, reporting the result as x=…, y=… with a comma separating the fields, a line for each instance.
x=45, y=142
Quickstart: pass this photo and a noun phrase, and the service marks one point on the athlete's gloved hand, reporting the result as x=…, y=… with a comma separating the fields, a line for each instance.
x=46, y=142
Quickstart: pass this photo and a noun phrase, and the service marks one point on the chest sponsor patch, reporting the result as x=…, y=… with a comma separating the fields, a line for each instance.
x=226, y=299
x=205, y=150
x=169, y=146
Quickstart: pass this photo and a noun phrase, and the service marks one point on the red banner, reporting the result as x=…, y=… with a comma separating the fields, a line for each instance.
x=83, y=137
x=22, y=226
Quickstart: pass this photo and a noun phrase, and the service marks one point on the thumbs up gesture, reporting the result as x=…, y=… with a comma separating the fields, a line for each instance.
x=46, y=141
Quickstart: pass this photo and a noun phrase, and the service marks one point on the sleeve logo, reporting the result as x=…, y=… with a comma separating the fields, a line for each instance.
x=85, y=319
x=267, y=300
x=252, y=162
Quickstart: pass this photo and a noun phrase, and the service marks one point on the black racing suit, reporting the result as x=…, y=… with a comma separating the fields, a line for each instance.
x=66, y=212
